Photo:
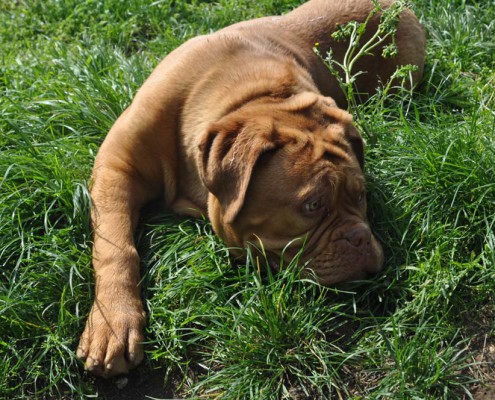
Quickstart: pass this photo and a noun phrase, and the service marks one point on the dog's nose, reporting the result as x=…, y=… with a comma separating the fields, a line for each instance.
x=360, y=237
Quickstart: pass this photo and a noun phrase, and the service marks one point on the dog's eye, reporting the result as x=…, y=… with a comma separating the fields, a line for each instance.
x=313, y=205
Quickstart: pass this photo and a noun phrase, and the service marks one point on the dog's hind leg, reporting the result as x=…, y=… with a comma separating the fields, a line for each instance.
x=316, y=20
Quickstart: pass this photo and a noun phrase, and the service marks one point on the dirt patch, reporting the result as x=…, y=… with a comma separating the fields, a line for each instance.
x=484, y=368
x=485, y=394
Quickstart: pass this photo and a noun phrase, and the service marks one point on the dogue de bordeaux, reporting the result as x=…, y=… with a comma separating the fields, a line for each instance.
x=243, y=126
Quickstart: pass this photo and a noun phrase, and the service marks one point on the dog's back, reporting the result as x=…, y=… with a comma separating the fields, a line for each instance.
x=314, y=22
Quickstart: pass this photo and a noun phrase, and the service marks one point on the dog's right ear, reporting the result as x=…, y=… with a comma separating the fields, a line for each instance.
x=352, y=135
x=356, y=141
x=228, y=154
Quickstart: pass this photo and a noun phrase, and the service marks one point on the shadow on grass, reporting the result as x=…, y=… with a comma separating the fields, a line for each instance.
x=140, y=384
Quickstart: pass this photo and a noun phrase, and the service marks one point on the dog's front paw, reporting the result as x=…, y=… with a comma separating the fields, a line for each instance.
x=111, y=343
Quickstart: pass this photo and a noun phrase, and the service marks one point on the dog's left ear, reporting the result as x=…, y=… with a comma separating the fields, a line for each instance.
x=356, y=141
x=228, y=154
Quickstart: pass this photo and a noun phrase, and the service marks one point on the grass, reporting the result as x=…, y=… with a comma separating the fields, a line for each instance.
x=422, y=329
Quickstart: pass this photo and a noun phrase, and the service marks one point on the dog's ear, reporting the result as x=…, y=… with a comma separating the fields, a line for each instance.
x=352, y=135
x=228, y=154
x=356, y=141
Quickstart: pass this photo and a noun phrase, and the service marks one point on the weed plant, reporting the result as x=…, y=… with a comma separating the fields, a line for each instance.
x=422, y=329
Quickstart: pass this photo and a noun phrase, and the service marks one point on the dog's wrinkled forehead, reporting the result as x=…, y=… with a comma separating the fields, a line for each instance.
x=315, y=107
x=314, y=124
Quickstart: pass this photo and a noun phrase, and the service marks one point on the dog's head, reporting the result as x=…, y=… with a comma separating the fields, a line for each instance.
x=283, y=170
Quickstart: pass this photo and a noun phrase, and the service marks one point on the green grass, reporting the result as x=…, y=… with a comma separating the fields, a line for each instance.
x=419, y=330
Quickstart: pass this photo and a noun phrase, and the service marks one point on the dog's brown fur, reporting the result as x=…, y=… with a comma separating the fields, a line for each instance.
x=242, y=126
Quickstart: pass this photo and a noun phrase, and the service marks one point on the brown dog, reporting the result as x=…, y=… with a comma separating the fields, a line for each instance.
x=236, y=126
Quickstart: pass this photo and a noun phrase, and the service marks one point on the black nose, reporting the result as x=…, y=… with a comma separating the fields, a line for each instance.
x=360, y=237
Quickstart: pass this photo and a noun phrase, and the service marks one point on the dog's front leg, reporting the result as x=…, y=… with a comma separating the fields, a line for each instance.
x=111, y=343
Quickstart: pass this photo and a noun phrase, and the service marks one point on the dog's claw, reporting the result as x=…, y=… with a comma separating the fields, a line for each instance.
x=82, y=354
